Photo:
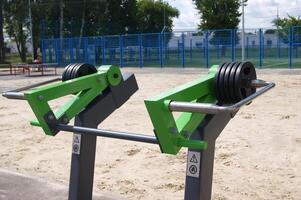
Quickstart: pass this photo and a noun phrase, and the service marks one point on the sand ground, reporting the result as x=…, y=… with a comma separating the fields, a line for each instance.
x=258, y=155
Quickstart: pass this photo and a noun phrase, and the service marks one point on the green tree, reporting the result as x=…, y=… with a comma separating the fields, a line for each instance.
x=2, y=45
x=16, y=24
x=285, y=24
x=151, y=16
x=129, y=18
x=270, y=31
x=89, y=18
x=39, y=13
x=120, y=17
x=219, y=14
x=94, y=22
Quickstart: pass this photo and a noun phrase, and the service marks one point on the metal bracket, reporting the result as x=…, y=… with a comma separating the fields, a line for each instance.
x=84, y=89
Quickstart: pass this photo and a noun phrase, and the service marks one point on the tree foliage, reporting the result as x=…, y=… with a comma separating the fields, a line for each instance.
x=270, y=31
x=219, y=14
x=151, y=16
x=116, y=17
x=69, y=18
x=2, y=45
x=16, y=15
x=285, y=24
x=38, y=15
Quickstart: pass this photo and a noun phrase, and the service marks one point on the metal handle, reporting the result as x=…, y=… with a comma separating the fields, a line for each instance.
x=107, y=133
x=14, y=95
x=17, y=94
x=215, y=109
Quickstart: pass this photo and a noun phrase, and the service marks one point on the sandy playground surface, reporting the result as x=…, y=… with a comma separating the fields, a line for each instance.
x=258, y=155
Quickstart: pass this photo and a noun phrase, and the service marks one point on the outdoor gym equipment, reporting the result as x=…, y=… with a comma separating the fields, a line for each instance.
x=207, y=104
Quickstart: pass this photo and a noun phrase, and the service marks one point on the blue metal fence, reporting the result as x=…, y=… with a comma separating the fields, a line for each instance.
x=277, y=49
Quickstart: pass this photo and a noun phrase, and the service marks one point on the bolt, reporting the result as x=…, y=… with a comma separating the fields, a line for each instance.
x=99, y=79
x=174, y=131
x=115, y=76
x=65, y=120
x=50, y=117
x=186, y=134
x=40, y=97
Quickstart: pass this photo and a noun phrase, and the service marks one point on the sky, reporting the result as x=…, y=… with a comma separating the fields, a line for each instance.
x=258, y=13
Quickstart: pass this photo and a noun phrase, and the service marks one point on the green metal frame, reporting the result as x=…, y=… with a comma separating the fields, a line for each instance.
x=84, y=89
x=172, y=133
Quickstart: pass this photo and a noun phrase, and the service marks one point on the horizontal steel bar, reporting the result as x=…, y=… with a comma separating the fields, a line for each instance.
x=215, y=109
x=17, y=94
x=14, y=95
x=258, y=83
x=110, y=134
x=36, y=85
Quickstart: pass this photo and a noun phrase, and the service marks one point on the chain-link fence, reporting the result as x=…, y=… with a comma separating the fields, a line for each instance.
x=265, y=48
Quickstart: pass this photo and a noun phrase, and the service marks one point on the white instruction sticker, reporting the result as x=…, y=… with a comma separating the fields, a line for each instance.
x=193, y=164
x=76, y=143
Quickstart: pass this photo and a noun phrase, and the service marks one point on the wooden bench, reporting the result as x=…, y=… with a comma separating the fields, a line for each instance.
x=7, y=65
x=40, y=67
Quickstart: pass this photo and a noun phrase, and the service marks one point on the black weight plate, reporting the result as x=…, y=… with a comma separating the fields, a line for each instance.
x=216, y=79
x=84, y=69
x=232, y=82
x=223, y=99
x=64, y=75
x=74, y=70
x=226, y=82
x=237, y=87
x=68, y=72
x=64, y=72
x=248, y=74
x=243, y=78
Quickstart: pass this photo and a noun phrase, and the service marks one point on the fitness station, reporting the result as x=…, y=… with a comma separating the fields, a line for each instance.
x=207, y=104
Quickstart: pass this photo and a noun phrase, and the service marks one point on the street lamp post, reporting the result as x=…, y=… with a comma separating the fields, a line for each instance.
x=30, y=24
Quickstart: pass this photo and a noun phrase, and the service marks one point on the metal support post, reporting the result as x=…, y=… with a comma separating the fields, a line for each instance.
x=44, y=57
x=247, y=48
x=84, y=145
x=82, y=162
x=278, y=45
x=263, y=52
x=190, y=49
x=207, y=48
x=200, y=164
x=121, y=50
x=103, y=50
x=260, y=48
x=71, y=50
x=183, y=50
x=234, y=44
x=160, y=49
x=178, y=51
x=290, y=50
x=140, y=51
x=58, y=52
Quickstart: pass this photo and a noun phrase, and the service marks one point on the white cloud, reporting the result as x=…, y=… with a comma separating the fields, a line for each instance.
x=258, y=13
x=189, y=17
